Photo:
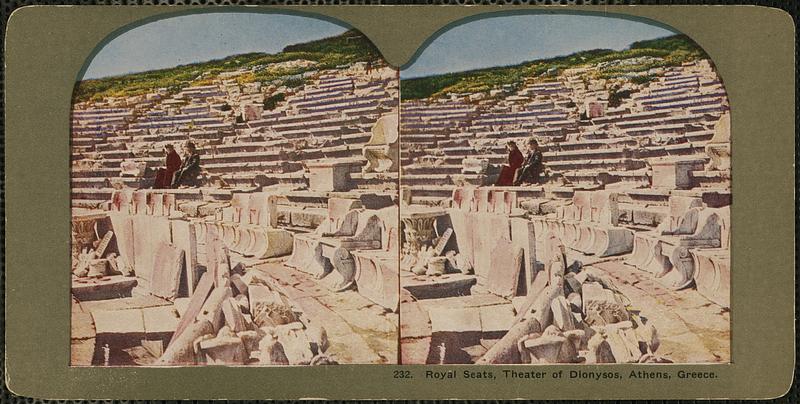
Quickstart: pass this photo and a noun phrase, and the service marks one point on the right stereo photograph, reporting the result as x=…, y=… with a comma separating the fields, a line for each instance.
x=565, y=195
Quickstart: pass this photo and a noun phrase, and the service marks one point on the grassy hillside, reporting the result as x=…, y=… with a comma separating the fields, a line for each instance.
x=348, y=47
x=667, y=51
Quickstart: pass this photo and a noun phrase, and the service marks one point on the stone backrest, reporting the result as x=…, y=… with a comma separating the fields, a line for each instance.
x=502, y=201
x=480, y=200
x=240, y=202
x=384, y=132
x=121, y=200
x=582, y=203
x=370, y=226
x=263, y=209
x=722, y=129
x=462, y=198
x=169, y=204
x=708, y=229
x=604, y=208
x=139, y=202
x=681, y=216
x=390, y=231
x=155, y=203
x=342, y=217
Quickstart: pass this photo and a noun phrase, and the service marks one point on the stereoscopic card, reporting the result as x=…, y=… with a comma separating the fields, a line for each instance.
x=385, y=202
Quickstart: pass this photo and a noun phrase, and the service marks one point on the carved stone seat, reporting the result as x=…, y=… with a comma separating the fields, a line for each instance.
x=719, y=147
x=382, y=149
x=377, y=270
x=589, y=225
x=668, y=252
x=249, y=226
x=326, y=252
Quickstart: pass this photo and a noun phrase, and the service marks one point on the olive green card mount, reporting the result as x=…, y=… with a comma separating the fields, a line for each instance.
x=753, y=51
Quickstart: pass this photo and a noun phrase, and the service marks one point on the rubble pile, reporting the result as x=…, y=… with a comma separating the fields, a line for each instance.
x=578, y=317
x=245, y=320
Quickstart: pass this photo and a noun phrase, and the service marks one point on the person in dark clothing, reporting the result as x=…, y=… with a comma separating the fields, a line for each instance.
x=515, y=160
x=189, y=170
x=173, y=163
x=532, y=167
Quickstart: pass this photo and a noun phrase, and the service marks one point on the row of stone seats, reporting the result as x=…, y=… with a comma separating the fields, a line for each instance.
x=353, y=246
x=491, y=234
x=692, y=242
x=589, y=225
x=249, y=226
x=160, y=247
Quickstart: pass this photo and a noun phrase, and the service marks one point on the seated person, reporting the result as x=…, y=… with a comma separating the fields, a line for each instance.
x=173, y=163
x=532, y=167
x=189, y=171
x=515, y=160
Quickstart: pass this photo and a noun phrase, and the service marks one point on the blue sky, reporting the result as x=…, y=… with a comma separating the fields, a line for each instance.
x=506, y=40
x=200, y=37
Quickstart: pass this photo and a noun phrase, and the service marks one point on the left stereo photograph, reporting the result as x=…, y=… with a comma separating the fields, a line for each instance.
x=234, y=194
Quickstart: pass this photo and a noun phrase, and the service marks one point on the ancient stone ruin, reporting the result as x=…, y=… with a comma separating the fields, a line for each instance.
x=621, y=252
x=331, y=223
x=284, y=254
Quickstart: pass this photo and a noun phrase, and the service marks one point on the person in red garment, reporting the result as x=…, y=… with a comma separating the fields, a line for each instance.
x=164, y=175
x=515, y=160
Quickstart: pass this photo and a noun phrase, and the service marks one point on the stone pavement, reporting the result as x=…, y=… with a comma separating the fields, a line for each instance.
x=690, y=327
x=359, y=331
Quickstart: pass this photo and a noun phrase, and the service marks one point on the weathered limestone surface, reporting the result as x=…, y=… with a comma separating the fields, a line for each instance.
x=382, y=150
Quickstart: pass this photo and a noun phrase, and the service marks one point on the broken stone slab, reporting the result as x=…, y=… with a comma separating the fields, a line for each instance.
x=502, y=276
x=107, y=287
x=184, y=237
x=487, y=229
x=602, y=306
x=295, y=343
x=224, y=350
x=196, y=303
x=167, y=267
x=180, y=350
x=212, y=308
x=123, y=230
x=270, y=350
x=239, y=285
x=233, y=315
x=523, y=236
x=506, y=350
x=127, y=324
x=623, y=342
x=462, y=229
x=599, y=350
x=149, y=232
x=562, y=314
